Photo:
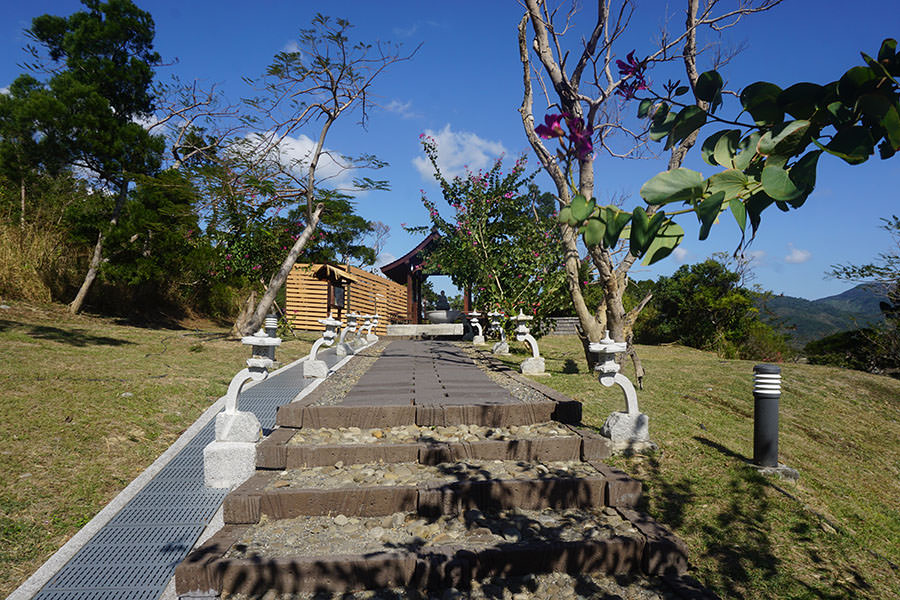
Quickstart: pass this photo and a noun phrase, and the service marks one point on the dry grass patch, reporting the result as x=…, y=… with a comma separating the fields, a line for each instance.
x=87, y=404
x=834, y=534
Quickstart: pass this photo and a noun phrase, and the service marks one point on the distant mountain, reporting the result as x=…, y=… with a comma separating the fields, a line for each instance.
x=814, y=319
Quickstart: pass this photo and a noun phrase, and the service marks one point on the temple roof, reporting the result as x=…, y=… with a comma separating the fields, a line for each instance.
x=409, y=262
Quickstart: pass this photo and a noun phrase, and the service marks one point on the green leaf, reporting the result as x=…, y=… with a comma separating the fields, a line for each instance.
x=672, y=186
x=803, y=175
x=739, y=211
x=726, y=147
x=666, y=240
x=854, y=81
x=707, y=150
x=660, y=128
x=681, y=90
x=644, y=108
x=643, y=230
x=757, y=203
x=760, y=99
x=801, y=99
x=565, y=215
x=708, y=86
x=885, y=150
x=615, y=220
x=778, y=185
x=730, y=182
x=853, y=144
x=881, y=109
x=784, y=139
x=582, y=207
x=747, y=149
x=888, y=50
x=689, y=119
x=594, y=230
x=708, y=211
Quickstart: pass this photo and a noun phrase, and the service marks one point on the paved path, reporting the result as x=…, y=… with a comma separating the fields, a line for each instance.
x=133, y=556
x=425, y=373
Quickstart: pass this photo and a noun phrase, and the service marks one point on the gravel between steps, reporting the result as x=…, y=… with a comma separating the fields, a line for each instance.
x=411, y=434
x=397, y=474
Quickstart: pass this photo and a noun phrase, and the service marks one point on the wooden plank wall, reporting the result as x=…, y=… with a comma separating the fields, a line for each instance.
x=307, y=298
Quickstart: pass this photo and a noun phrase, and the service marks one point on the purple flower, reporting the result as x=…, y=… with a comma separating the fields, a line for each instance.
x=580, y=136
x=551, y=127
x=635, y=70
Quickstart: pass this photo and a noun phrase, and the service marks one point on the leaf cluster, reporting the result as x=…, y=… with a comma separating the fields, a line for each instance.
x=772, y=160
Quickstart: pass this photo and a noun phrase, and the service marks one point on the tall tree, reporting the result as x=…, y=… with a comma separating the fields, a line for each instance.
x=25, y=150
x=501, y=242
x=101, y=64
x=329, y=76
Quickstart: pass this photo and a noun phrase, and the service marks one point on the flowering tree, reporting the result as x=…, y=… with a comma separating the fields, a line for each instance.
x=765, y=161
x=502, y=241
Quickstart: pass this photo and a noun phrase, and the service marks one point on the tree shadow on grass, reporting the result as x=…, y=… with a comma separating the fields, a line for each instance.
x=741, y=538
x=73, y=337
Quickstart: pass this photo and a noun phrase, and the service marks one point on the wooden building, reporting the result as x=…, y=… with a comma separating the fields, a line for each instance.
x=314, y=290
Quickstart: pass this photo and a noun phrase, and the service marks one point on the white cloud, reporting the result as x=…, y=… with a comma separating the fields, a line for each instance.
x=458, y=152
x=796, y=256
x=756, y=258
x=407, y=32
x=680, y=254
x=291, y=46
x=330, y=169
x=385, y=258
x=4, y=91
x=404, y=109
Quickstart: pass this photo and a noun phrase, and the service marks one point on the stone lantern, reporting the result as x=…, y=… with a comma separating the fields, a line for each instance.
x=501, y=347
x=344, y=347
x=312, y=366
x=535, y=364
x=476, y=326
x=626, y=427
x=231, y=459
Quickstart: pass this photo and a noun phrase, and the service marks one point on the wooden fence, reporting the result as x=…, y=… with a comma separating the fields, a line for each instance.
x=307, y=297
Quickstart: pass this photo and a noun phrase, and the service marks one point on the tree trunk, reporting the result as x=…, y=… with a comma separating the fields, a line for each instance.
x=244, y=316
x=97, y=256
x=93, y=267
x=255, y=320
x=22, y=198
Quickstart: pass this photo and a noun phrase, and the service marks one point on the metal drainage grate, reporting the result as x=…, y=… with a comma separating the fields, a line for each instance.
x=134, y=556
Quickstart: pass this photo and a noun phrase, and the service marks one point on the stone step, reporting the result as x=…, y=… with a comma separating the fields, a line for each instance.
x=443, y=412
x=288, y=448
x=450, y=489
x=341, y=554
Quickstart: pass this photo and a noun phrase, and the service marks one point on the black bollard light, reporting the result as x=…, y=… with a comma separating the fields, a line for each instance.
x=766, y=393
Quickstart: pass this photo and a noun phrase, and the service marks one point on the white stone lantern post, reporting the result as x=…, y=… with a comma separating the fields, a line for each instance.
x=344, y=348
x=372, y=326
x=312, y=366
x=501, y=347
x=231, y=459
x=535, y=364
x=624, y=427
x=476, y=326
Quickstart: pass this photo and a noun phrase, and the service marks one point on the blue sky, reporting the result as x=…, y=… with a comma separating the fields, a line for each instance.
x=464, y=87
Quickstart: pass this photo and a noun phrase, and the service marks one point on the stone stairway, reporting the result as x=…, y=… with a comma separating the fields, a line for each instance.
x=427, y=474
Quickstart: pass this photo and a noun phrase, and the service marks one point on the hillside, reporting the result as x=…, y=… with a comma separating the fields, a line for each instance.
x=810, y=320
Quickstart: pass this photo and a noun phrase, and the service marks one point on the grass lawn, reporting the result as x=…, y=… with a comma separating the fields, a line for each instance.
x=86, y=404
x=834, y=534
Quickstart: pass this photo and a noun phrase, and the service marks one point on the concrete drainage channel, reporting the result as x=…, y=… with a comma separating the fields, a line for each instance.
x=130, y=549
